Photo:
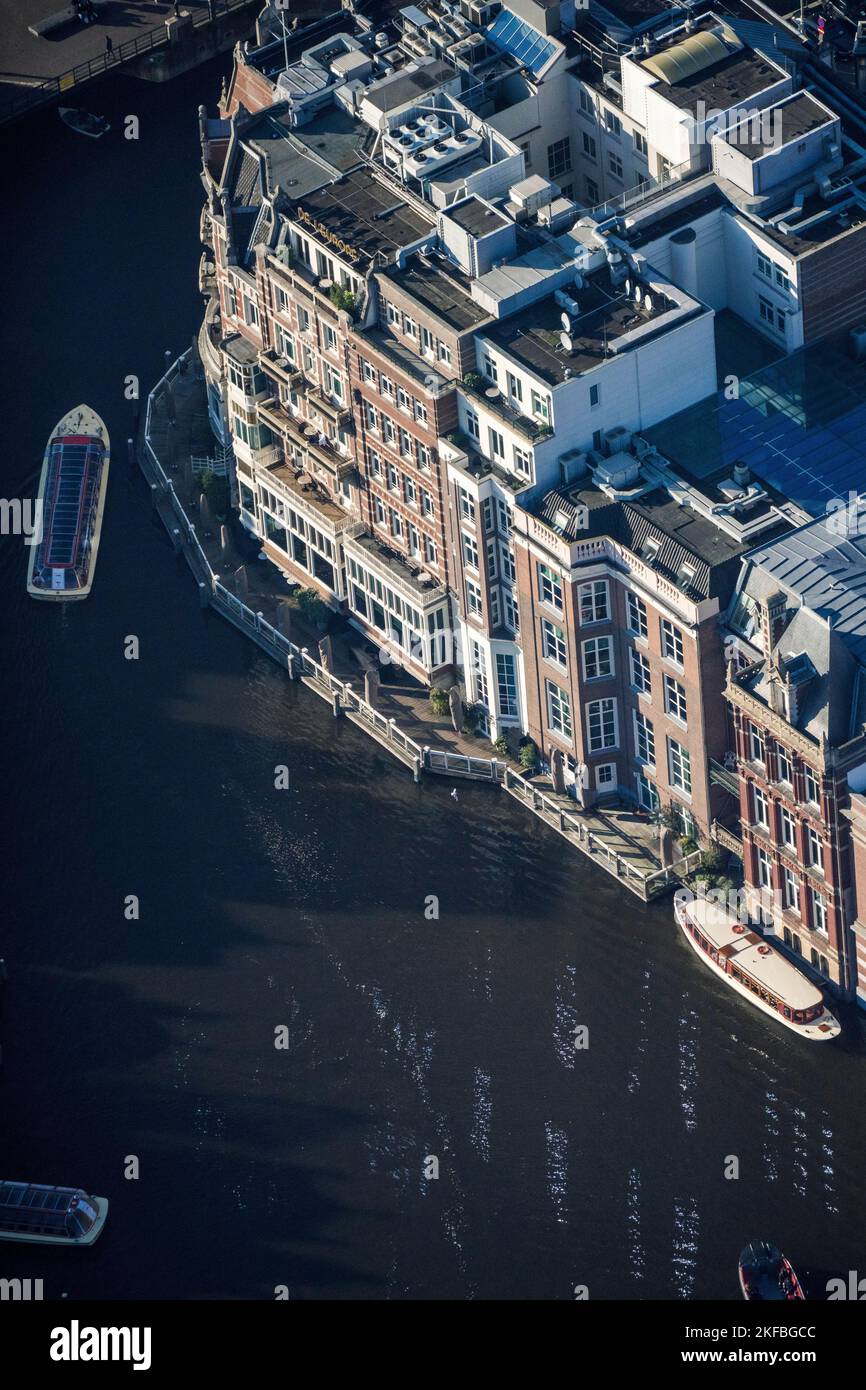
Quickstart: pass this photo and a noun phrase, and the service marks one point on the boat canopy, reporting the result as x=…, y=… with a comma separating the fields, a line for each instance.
x=753, y=956
x=34, y=1209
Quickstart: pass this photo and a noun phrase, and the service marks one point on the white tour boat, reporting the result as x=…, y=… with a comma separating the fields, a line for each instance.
x=755, y=968
x=72, y=495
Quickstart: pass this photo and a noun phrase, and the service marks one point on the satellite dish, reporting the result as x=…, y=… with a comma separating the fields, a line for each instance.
x=627, y=288
x=648, y=303
x=565, y=321
x=637, y=293
x=566, y=341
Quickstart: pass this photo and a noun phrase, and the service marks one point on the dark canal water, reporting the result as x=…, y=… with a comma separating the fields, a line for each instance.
x=408, y=1037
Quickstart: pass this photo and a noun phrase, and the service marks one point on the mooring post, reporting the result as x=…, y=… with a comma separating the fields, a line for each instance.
x=416, y=769
x=203, y=596
x=176, y=539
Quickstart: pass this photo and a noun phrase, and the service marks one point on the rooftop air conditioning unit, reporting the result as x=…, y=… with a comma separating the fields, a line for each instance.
x=617, y=441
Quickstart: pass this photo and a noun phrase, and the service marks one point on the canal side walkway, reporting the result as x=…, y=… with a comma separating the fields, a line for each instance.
x=254, y=596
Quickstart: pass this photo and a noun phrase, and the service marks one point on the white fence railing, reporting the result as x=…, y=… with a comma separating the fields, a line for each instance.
x=300, y=664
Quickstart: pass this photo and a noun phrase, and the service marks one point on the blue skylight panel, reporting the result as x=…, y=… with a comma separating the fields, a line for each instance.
x=518, y=38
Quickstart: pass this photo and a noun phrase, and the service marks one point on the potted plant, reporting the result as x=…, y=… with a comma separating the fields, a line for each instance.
x=438, y=701
x=528, y=755
x=312, y=607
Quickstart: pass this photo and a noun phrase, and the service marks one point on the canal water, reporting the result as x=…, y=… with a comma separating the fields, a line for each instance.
x=413, y=1043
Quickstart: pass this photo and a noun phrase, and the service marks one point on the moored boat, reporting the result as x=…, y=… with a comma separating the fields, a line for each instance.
x=755, y=968
x=766, y=1276
x=83, y=122
x=72, y=491
x=44, y=1215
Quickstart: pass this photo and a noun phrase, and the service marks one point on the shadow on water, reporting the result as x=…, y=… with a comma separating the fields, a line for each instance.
x=411, y=1036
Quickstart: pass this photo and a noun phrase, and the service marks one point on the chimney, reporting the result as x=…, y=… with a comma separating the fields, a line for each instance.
x=774, y=620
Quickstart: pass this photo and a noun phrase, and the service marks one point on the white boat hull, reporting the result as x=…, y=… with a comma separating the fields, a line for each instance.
x=80, y=420
x=821, y=1029
x=36, y=1238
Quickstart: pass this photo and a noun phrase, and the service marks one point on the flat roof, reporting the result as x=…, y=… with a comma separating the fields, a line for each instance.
x=723, y=84
x=477, y=217
x=293, y=155
x=607, y=313
x=781, y=124
x=442, y=288
x=799, y=425
x=401, y=88
x=366, y=215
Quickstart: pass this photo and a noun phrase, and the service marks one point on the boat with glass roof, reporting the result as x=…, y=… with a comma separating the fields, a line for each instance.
x=44, y=1215
x=72, y=499
x=753, y=967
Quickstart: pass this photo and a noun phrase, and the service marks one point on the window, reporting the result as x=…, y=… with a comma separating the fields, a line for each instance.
x=515, y=386
x=473, y=597
x=613, y=123
x=470, y=550
x=811, y=787
x=586, y=104
x=755, y=743
x=768, y=313
x=784, y=769
x=594, y=396
x=640, y=144
x=375, y=464
x=445, y=354
x=541, y=407
x=429, y=550
x=781, y=279
x=421, y=412
x=553, y=642
x=549, y=587
x=410, y=327
x=497, y=444
x=588, y=145
x=396, y=525
x=647, y=795
x=392, y=314
x=614, y=164
x=330, y=338
x=379, y=511
x=425, y=458
x=597, y=658
x=506, y=684
x=472, y=426
x=679, y=767
x=393, y=478
x=594, y=604
x=523, y=462
x=558, y=709
x=765, y=266
x=760, y=807
x=640, y=672
x=409, y=491
x=819, y=915
x=672, y=642
x=592, y=194
x=559, y=157
x=467, y=505
x=386, y=386
x=644, y=739
x=285, y=343
x=426, y=502
x=605, y=775
x=787, y=828
x=790, y=890
x=601, y=725
x=637, y=619
x=675, y=699
x=334, y=383
x=404, y=400
x=369, y=373
x=814, y=853
x=765, y=870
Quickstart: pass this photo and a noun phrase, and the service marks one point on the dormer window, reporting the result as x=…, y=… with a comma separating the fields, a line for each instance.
x=650, y=549
x=686, y=576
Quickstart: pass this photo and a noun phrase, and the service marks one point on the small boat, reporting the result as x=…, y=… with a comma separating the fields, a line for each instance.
x=766, y=1276
x=753, y=967
x=44, y=1215
x=72, y=497
x=84, y=122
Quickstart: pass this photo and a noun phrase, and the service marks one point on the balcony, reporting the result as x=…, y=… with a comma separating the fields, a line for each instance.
x=207, y=282
x=412, y=581
x=280, y=369
x=303, y=437
x=492, y=399
x=339, y=415
x=312, y=500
